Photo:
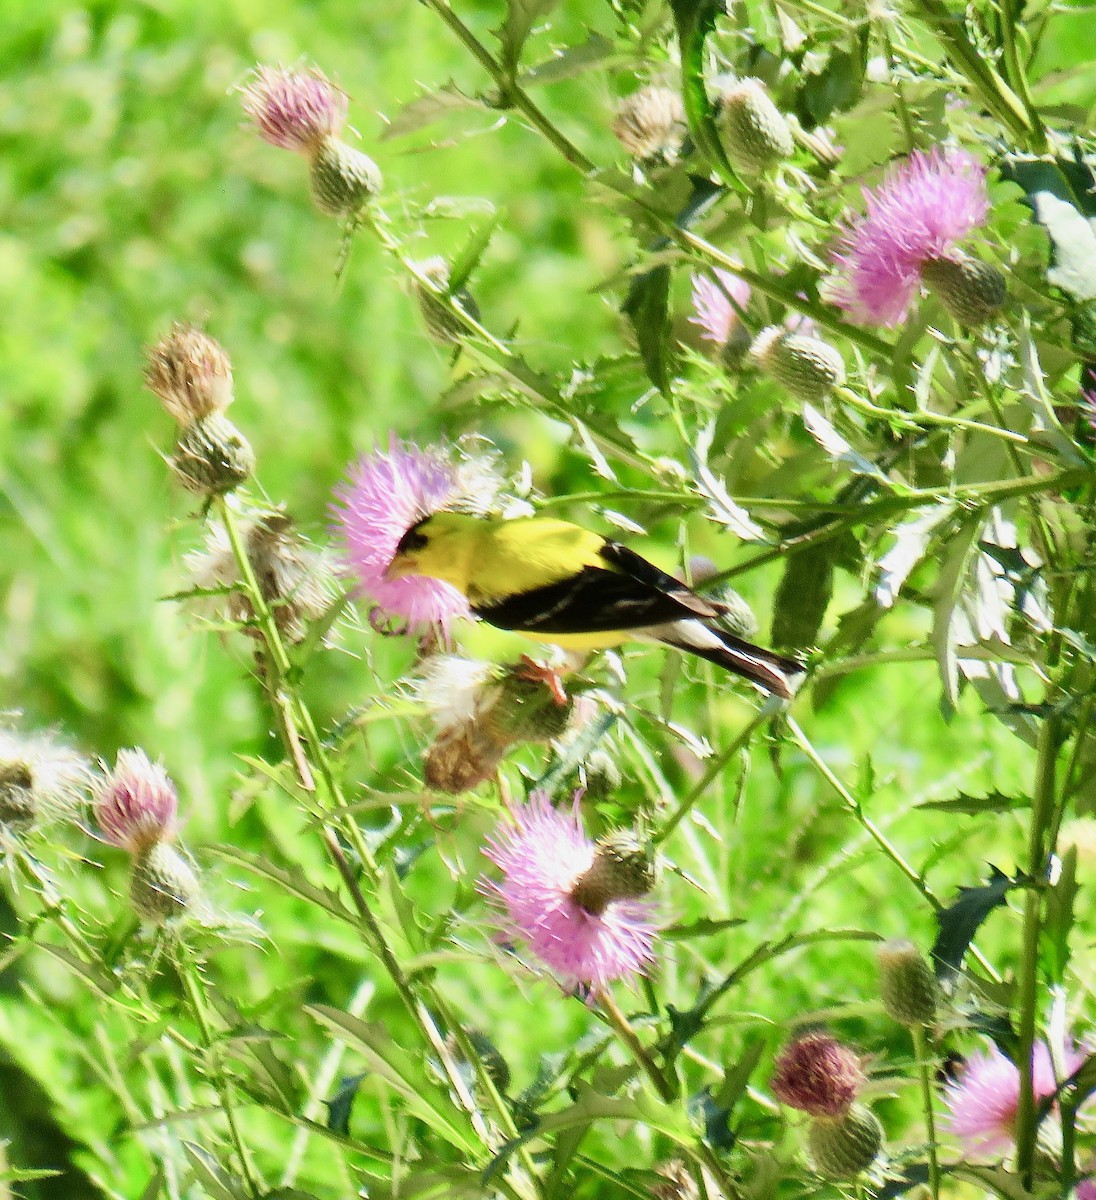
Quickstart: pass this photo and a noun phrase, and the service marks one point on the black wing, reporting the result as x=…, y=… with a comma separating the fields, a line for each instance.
x=599, y=599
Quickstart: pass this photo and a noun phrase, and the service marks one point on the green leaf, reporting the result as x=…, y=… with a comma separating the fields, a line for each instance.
x=647, y=307
x=1060, y=901
x=837, y=87
x=341, y=1104
x=15, y=1175
x=217, y=1183
x=432, y=106
x=292, y=881
x=949, y=590
x=513, y=33
x=571, y=61
x=695, y=20
x=995, y=802
x=404, y=1072
x=736, y=1078
x=1074, y=238
x=802, y=597
x=704, y=927
x=959, y=922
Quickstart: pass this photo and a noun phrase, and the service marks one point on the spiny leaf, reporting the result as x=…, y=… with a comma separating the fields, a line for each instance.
x=1060, y=900
x=647, y=307
x=695, y=20
x=215, y=1181
x=959, y=922
x=996, y=802
x=949, y=591
x=426, y=109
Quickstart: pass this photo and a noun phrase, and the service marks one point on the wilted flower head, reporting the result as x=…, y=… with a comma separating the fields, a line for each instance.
x=917, y=215
x=294, y=110
x=983, y=1102
x=40, y=778
x=544, y=857
x=136, y=804
x=651, y=123
x=295, y=578
x=190, y=373
x=714, y=312
x=819, y=1075
x=387, y=493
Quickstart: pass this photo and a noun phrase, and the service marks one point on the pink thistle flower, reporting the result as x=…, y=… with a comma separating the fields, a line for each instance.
x=1088, y=407
x=918, y=214
x=294, y=110
x=543, y=854
x=983, y=1102
x=386, y=494
x=715, y=314
x=136, y=804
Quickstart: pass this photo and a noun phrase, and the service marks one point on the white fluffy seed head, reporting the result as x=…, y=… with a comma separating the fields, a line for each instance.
x=651, y=123
x=41, y=778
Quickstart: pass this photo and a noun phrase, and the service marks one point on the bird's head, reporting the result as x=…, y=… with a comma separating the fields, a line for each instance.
x=440, y=546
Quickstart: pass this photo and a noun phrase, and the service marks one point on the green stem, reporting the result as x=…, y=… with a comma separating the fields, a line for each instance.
x=195, y=990
x=1042, y=816
x=639, y=1052
x=924, y=1069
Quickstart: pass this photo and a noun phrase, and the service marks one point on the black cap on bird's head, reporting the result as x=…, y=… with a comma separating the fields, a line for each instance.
x=436, y=545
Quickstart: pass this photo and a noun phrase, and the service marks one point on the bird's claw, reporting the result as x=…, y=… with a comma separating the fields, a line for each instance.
x=549, y=676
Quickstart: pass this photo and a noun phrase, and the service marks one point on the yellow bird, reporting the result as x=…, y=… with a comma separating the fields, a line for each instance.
x=558, y=583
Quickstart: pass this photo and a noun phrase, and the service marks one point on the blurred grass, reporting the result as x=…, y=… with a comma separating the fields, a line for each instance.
x=132, y=197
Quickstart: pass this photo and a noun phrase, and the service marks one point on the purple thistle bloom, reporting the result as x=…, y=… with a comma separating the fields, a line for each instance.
x=715, y=314
x=1088, y=407
x=294, y=110
x=386, y=494
x=983, y=1102
x=136, y=805
x=920, y=211
x=543, y=853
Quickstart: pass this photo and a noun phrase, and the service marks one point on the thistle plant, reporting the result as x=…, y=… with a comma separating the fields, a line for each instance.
x=783, y=331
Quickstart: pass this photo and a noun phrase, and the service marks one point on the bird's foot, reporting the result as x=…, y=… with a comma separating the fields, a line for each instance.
x=542, y=673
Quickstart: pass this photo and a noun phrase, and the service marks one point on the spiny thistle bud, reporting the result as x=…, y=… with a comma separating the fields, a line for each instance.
x=842, y=1147
x=136, y=804
x=907, y=984
x=342, y=179
x=808, y=367
x=190, y=373
x=971, y=290
x=212, y=456
x=162, y=884
x=524, y=709
x=755, y=133
x=816, y=1074
x=295, y=579
x=624, y=868
x=40, y=779
x=678, y=1183
x=443, y=324
x=651, y=124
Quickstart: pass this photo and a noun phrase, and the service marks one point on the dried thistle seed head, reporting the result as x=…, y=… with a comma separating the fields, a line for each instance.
x=819, y=1075
x=294, y=110
x=342, y=179
x=678, y=1182
x=295, y=578
x=162, y=883
x=755, y=133
x=651, y=124
x=842, y=1147
x=461, y=758
x=624, y=868
x=442, y=323
x=136, y=804
x=212, y=456
x=808, y=367
x=972, y=291
x=190, y=373
x=41, y=779
x=907, y=985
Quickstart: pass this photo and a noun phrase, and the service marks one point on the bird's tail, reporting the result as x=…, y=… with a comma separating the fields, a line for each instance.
x=770, y=671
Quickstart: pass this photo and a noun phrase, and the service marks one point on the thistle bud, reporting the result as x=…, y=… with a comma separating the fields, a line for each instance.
x=972, y=291
x=808, y=367
x=651, y=124
x=212, y=456
x=907, y=985
x=162, y=884
x=624, y=868
x=842, y=1147
x=440, y=320
x=755, y=133
x=136, y=804
x=819, y=1075
x=342, y=178
x=190, y=373
x=524, y=709
x=40, y=779
x=738, y=616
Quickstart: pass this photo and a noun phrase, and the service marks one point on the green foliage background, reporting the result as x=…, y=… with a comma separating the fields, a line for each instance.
x=133, y=197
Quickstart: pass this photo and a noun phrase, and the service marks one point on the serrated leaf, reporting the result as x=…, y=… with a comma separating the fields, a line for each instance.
x=949, y=591
x=704, y=927
x=293, y=882
x=513, y=33
x=824, y=433
x=802, y=597
x=16, y=1175
x=911, y=540
x=571, y=61
x=723, y=509
x=218, y=1183
x=737, y=1077
x=426, y=109
x=1060, y=901
x=404, y=1072
x=960, y=921
x=1074, y=239
x=973, y=806
x=647, y=307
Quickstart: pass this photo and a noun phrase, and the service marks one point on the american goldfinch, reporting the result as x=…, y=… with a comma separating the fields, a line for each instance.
x=556, y=582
